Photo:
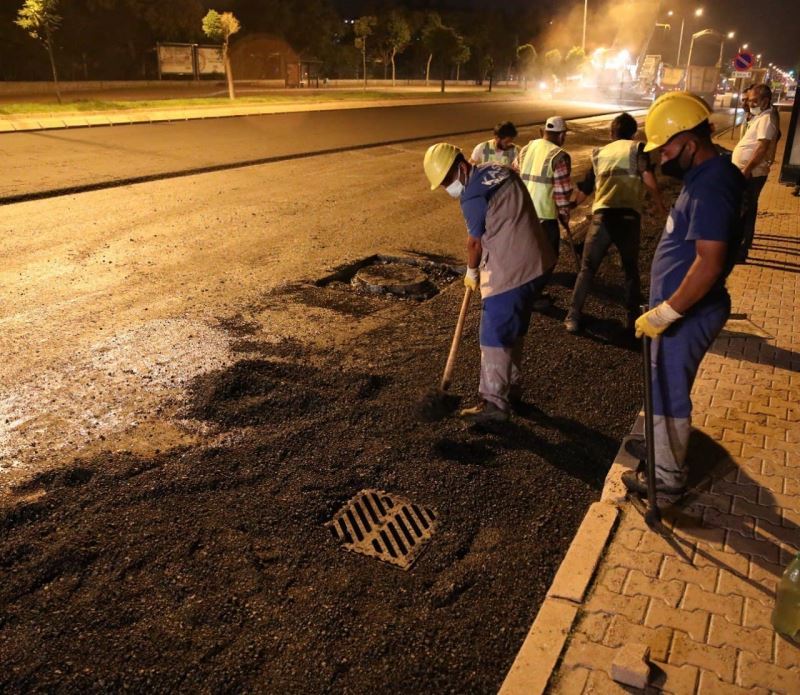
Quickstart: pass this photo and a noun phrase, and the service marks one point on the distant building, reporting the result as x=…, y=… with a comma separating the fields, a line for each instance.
x=265, y=57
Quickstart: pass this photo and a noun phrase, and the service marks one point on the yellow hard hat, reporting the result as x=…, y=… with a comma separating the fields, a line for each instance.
x=438, y=160
x=673, y=113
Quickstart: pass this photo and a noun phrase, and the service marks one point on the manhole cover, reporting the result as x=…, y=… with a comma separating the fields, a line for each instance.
x=395, y=278
x=388, y=527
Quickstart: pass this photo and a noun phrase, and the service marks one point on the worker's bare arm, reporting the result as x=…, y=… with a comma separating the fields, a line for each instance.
x=708, y=265
x=652, y=185
x=474, y=252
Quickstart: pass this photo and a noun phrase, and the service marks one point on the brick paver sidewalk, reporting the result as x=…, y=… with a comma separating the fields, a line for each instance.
x=707, y=621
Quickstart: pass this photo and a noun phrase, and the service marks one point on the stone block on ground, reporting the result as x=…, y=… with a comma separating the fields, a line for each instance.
x=631, y=666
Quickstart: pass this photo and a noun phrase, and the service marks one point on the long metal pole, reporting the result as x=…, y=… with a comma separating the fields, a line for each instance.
x=585, y=13
x=680, y=44
x=653, y=515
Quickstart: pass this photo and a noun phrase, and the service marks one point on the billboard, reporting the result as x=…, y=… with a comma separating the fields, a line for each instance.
x=176, y=59
x=210, y=60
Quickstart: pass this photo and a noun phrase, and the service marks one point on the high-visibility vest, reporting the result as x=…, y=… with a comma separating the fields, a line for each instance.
x=537, y=173
x=618, y=183
x=492, y=154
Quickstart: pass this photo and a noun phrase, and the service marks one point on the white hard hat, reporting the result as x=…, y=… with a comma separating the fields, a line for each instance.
x=555, y=124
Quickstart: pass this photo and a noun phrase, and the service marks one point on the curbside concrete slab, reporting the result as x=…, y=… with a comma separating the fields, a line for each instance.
x=530, y=672
x=577, y=569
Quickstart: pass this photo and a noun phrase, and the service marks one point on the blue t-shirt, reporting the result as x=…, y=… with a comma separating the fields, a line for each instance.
x=707, y=209
x=484, y=180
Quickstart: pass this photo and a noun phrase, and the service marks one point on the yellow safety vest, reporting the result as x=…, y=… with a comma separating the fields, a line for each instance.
x=537, y=172
x=618, y=183
x=492, y=154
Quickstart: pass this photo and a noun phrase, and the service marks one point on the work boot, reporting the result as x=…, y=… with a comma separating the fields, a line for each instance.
x=542, y=302
x=515, y=394
x=572, y=324
x=636, y=482
x=483, y=413
x=636, y=447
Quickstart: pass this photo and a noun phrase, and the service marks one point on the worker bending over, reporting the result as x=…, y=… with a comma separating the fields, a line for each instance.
x=620, y=172
x=508, y=256
x=500, y=149
x=697, y=250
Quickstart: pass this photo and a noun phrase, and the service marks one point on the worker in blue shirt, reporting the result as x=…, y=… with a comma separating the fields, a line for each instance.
x=508, y=257
x=688, y=299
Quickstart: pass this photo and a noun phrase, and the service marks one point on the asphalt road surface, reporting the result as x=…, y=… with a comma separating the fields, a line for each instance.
x=180, y=414
x=43, y=163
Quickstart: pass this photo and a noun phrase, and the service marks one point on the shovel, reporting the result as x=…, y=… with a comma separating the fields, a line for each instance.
x=438, y=403
x=651, y=513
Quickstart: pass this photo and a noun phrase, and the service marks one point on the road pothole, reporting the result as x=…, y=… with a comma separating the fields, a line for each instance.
x=391, y=276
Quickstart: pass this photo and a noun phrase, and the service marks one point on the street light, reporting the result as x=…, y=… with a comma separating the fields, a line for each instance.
x=731, y=34
x=585, y=13
x=697, y=13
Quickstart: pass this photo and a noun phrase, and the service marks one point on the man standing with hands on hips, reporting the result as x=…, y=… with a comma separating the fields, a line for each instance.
x=695, y=254
x=508, y=257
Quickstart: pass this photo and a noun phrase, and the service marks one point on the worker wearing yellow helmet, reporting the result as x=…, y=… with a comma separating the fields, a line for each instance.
x=695, y=254
x=508, y=257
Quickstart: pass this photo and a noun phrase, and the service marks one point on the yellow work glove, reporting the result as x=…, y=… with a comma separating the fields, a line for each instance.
x=654, y=322
x=472, y=279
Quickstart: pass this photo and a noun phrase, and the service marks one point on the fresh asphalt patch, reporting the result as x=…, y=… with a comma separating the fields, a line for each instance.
x=212, y=567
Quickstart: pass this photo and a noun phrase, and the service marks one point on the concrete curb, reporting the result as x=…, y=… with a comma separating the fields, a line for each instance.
x=539, y=655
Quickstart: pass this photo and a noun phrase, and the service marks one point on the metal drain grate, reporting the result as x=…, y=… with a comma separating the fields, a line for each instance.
x=388, y=527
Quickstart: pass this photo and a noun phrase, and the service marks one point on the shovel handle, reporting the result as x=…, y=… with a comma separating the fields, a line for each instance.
x=451, y=358
x=652, y=506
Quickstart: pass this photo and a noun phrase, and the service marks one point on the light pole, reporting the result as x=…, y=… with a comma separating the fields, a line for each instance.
x=585, y=13
x=697, y=13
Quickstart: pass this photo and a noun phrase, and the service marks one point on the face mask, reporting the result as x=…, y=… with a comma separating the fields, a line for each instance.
x=672, y=167
x=756, y=110
x=456, y=188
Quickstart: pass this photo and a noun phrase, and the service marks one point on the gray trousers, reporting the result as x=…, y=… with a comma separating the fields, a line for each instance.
x=500, y=369
x=621, y=228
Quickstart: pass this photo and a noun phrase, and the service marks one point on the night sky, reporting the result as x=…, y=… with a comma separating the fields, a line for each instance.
x=771, y=27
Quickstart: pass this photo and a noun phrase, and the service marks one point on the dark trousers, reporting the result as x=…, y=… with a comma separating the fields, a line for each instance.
x=621, y=228
x=750, y=211
x=551, y=232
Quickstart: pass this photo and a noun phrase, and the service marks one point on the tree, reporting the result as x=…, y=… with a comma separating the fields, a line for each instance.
x=363, y=28
x=398, y=36
x=445, y=43
x=220, y=27
x=461, y=56
x=526, y=62
x=40, y=19
x=574, y=60
x=430, y=23
x=553, y=62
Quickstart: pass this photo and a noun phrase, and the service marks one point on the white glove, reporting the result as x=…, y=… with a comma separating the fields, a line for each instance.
x=472, y=278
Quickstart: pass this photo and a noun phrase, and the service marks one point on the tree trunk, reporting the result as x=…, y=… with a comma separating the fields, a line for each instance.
x=364, y=61
x=394, y=74
x=49, y=45
x=428, y=70
x=458, y=72
x=228, y=73
x=444, y=68
x=491, y=80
